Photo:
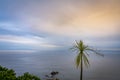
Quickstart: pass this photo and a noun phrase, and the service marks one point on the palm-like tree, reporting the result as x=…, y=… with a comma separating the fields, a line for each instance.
x=82, y=57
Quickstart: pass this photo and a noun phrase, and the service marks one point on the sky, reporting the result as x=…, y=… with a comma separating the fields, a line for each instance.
x=56, y=24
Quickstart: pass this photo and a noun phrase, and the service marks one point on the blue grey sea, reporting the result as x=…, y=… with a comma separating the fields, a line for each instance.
x=42, y=63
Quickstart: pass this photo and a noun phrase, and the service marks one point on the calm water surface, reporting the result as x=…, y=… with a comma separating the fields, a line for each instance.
x=43, y=62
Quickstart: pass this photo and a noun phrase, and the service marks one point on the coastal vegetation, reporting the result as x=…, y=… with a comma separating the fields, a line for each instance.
x=9, y=74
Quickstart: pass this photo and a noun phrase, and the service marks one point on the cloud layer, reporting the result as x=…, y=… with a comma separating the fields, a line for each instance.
x=50, y=24
x=34, y=41
x=78, y=18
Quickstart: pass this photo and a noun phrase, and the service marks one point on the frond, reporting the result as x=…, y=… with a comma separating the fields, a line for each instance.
x=86, y=61
x=94, y=51
x=74, y=48
x=86, y=53
x=77, y=43
x=78, y=59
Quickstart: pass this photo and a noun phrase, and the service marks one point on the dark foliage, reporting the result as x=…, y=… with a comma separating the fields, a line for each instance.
x=9, y=74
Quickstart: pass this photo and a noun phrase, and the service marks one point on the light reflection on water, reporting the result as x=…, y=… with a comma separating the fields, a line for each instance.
x=42, y=63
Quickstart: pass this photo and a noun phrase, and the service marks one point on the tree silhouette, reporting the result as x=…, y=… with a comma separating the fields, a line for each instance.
x=82, y=57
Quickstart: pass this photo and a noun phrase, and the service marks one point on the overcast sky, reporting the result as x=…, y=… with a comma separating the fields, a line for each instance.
x=55, y=24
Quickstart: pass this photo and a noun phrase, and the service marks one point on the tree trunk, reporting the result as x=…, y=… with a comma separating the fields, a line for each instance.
x=81, y=69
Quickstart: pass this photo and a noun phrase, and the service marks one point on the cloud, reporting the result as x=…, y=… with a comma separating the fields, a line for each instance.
x=17, y=51
x=9, y=26
x=14, y=27
x=35, y=41
x=79, y=18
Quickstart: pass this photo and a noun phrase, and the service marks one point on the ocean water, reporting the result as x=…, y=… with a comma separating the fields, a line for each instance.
x=43, y=62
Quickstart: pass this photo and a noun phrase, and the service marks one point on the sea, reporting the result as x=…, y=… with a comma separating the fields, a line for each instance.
x=42, y=63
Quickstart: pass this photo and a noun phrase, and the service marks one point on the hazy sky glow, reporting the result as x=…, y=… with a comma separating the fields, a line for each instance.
x=53, y=24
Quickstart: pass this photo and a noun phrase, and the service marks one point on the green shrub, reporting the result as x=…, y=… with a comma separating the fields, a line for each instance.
x=27, y=76
x=9, y=74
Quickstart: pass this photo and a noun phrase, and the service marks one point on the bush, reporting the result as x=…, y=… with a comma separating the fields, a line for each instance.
x=28, y=76
x=9, y=74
